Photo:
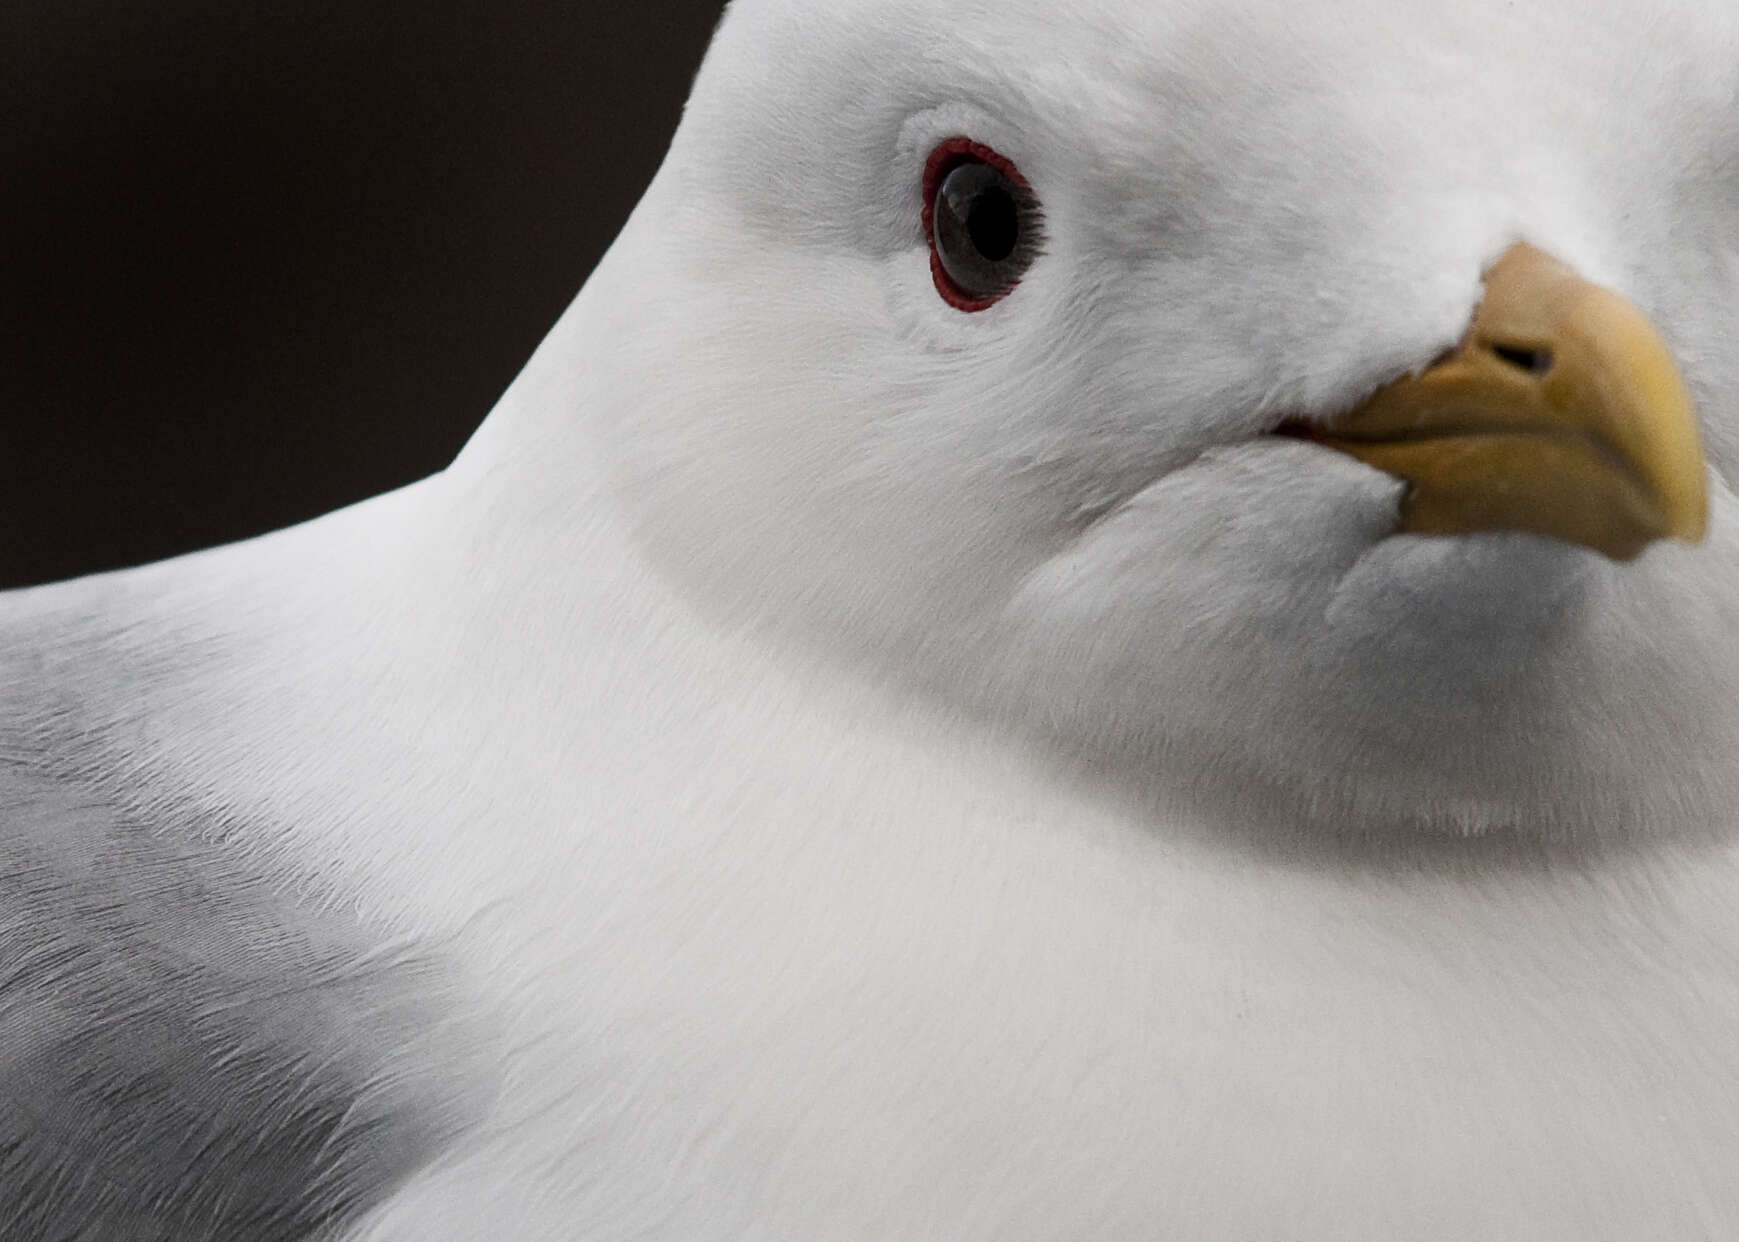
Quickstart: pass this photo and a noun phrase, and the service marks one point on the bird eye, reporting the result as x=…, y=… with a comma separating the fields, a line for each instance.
x=982, y=220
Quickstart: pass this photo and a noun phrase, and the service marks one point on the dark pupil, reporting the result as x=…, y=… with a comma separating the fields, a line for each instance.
x=993, y=224
x=977, y=198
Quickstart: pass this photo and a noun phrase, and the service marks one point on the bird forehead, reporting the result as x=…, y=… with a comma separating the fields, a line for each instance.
x=1125, y=98
x=1124, y=48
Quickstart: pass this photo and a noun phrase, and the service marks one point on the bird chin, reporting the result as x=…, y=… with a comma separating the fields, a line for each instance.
x=1255, y=624
x=1468, y=589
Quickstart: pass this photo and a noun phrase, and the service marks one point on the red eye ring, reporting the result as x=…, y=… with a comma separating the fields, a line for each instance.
x=949, y=155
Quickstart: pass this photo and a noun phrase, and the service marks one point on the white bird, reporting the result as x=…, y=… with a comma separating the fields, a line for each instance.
x=877, y=737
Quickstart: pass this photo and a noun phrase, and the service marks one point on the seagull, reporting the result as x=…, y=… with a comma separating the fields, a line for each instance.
x=1107, y=621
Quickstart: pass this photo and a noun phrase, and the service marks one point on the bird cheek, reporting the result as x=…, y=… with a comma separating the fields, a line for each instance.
x=1243, y=531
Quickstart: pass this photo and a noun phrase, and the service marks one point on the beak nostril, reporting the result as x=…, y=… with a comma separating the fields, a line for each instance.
x=1533, y=361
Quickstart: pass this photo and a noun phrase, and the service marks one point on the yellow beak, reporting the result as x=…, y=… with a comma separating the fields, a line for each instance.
x=1561, y=413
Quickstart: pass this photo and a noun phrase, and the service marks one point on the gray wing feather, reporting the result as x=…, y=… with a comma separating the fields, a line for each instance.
x=188, y=1053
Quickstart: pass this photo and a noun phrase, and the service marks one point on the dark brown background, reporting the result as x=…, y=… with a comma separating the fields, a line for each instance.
x=259, y=260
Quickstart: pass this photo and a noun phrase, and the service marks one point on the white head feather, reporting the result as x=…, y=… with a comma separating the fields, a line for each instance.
x=1064, y=511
